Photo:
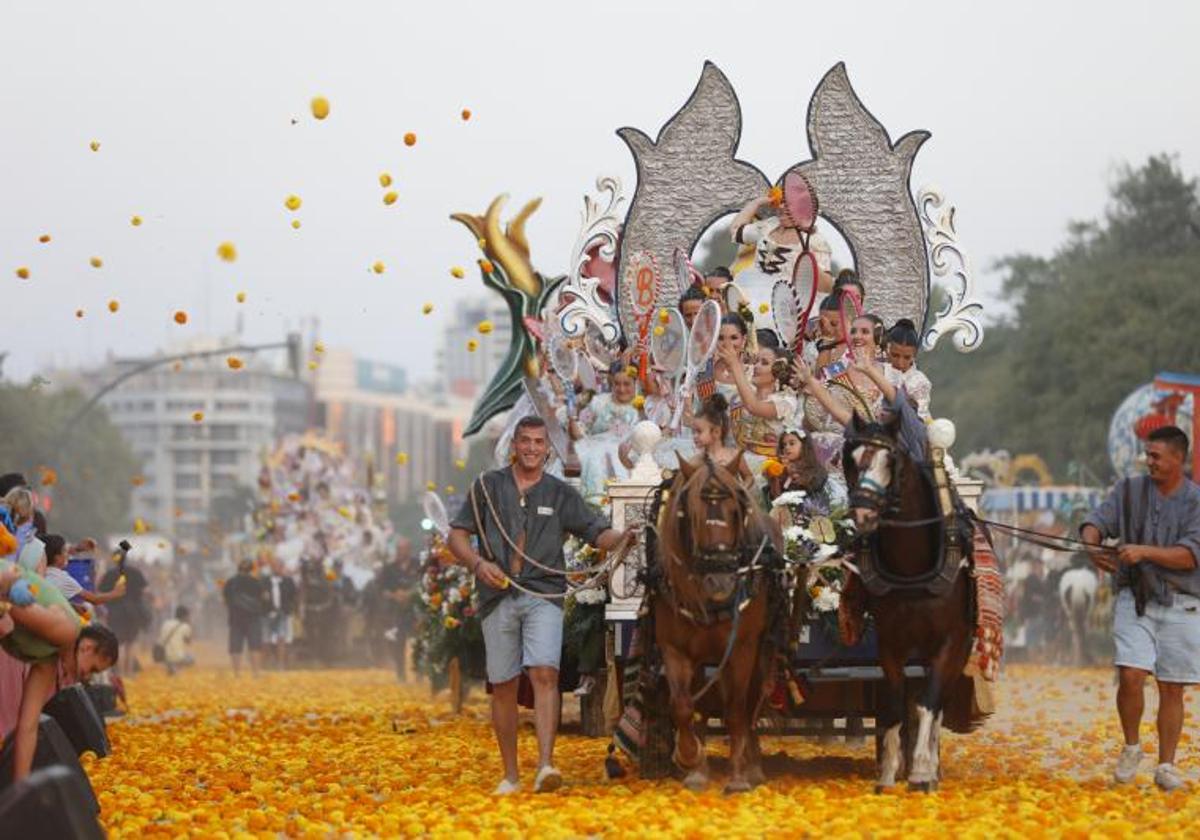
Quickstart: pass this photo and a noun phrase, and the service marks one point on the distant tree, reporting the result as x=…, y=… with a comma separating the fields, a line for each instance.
x=1116, y=305
x=93, y=468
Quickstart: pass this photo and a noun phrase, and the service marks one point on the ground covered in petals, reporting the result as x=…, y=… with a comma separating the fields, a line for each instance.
x=351, y=753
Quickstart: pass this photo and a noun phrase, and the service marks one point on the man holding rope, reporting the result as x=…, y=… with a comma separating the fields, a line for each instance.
x=520, y=516
x=1156, y=615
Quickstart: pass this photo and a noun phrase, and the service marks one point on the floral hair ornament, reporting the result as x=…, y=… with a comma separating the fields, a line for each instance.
x=794, y=430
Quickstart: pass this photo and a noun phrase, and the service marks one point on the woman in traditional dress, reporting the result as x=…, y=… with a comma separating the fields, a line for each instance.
x=764, y=408
x=839, y=390
x=777, y=242
x=601, y=428
x=902, y=366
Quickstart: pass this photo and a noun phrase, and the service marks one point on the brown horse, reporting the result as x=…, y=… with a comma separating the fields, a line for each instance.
x=711, y=608
x=918, y=595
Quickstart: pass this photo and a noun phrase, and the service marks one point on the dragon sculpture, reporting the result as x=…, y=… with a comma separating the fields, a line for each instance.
x=506, y=267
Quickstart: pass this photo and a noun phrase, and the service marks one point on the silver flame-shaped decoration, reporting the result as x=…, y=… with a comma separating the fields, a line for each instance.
x=580, y=295
x=960, y=313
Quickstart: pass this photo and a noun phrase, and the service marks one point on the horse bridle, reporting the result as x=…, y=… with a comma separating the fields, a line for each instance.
x=867, y=493
x=718, y=560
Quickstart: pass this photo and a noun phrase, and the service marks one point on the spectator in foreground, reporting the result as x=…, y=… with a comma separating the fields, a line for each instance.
x=37, y=626
x=57, y=555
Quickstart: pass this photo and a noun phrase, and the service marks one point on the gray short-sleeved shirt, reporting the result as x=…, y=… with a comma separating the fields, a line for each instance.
x=1153, y=519
x=549, y=511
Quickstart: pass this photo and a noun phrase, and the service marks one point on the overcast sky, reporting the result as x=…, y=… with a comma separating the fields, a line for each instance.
x=1031, y=107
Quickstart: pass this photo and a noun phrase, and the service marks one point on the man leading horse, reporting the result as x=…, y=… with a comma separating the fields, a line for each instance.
x=520, y=516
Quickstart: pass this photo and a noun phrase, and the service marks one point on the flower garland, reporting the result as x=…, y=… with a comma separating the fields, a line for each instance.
x=818, y=545
x=448, y=624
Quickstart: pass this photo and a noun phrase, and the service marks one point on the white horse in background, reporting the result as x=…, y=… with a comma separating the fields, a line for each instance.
x=1077, y=594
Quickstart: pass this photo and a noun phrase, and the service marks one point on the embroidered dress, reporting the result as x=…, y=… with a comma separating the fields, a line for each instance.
x=853, y=391
x=605, y=423
x=773, y=260
x=759, y=436
x=916, y=384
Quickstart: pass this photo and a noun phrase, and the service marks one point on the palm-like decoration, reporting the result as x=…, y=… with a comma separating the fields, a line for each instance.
x=509, y=271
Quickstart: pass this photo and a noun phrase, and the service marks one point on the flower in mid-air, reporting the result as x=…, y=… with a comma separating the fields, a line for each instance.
x=227, y=251
x=320, y=107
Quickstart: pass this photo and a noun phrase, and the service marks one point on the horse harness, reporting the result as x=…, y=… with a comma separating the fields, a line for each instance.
x=728, y=574
x=953, y=521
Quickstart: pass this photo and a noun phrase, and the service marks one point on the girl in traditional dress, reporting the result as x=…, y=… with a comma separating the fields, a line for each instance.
x=600, y=429
x=764, y=409
x=710, y=432
x=824, y=490
x=902, y=366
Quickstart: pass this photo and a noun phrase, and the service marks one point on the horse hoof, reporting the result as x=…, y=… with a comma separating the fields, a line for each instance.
x=922, y=787
x=880, y=787
x=737, y=786
x=695, y=782
x=756, y=776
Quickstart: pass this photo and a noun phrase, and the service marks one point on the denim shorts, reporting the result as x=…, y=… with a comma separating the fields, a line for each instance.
x=521, y=631
x=1164, y=641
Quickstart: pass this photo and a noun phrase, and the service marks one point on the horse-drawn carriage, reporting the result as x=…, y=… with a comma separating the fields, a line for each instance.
x=714, y=614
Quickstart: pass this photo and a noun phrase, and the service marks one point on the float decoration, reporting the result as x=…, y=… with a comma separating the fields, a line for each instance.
x=687, y=179
x=584, y=298
x=960, y=312
x=509, y=271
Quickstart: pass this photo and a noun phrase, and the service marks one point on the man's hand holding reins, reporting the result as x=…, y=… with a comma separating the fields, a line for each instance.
x=491, y=574
x=1101, y=559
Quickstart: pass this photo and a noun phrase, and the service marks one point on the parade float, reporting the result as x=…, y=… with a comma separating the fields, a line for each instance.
x=617, y=314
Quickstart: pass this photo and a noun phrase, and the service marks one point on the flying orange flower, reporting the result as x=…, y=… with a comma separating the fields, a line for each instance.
x=486, y=266
x=484, y=327
x=96, y=262
x=114, y=305
x=227, y=251
x=78, y=313
x=378, y=267
x=426, y=308
x=319, y=107
x=94, y=145
x=181, y=317
x=234, y=363
x=457, y=272
x=402, y=458
x=466, y=114
x=198, y=416
x=389, y=197
x=410, y=139
x=136, y=221
x=292, y=202
x=44, y=238
x=385, y=179
x=295, y=224
x=23, y=272
x=241, y=297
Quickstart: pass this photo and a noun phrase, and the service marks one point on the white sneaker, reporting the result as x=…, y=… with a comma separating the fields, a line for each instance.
x=1127, y=764
x=506, y=787
x=548, y=779
x=1167, y=777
